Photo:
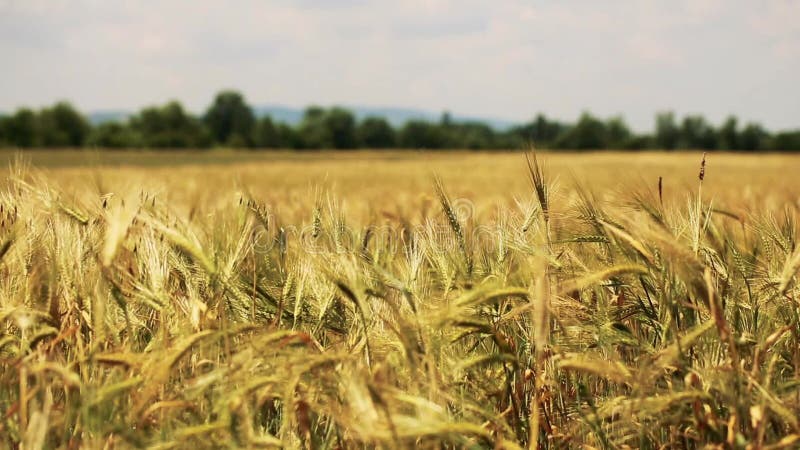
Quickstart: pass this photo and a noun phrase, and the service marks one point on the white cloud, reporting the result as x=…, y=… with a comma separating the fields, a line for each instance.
x=505, y=58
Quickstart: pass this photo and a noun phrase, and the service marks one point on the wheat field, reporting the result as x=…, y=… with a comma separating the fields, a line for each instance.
x=399, y=300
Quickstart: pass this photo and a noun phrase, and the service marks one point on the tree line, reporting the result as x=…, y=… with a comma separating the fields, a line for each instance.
x=230, y=122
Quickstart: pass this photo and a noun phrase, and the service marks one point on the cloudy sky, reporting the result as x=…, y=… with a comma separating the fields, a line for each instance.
x=492, y=58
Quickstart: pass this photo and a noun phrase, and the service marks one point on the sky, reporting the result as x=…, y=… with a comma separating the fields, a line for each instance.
x=505, y=59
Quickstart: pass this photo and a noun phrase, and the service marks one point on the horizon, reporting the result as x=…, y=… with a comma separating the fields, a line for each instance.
x=500, y=61
x=397, y=116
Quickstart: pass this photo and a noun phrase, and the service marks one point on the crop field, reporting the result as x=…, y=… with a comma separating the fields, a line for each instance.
x=349, y=300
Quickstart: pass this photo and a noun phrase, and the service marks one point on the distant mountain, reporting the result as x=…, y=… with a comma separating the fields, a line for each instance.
x=102, y=116
x=395, y=116
x=285, y=114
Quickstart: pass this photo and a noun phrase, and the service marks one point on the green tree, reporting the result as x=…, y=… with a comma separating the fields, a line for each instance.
x=3, y=125
x=62, y=126
x=446, y=119
x=266, y=134
x=729, y=134
x=269, y=134
x=541, y=131
x=787, y=141
x=667, y=132
x=169, y=126
x=375, y=132
x=696, y=133
x=288, y=137
x=618, y=135
x=472, y=136
x=314, y=132
x=638, y=142
x=753, y=137
x=4, y=122
x=114, y=135
x=589, y=133
x=20, y=129
x=341, y=127
x=508, y=140
x=230, y=120
x=422, y=134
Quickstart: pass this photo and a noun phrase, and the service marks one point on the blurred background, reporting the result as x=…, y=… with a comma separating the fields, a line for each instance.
x=313, y=74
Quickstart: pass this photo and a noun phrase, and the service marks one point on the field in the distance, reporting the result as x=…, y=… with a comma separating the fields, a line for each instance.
x=350, y=300
x=386, y=178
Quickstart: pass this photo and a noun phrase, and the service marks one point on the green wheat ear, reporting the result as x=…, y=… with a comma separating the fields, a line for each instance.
x=455, y=225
